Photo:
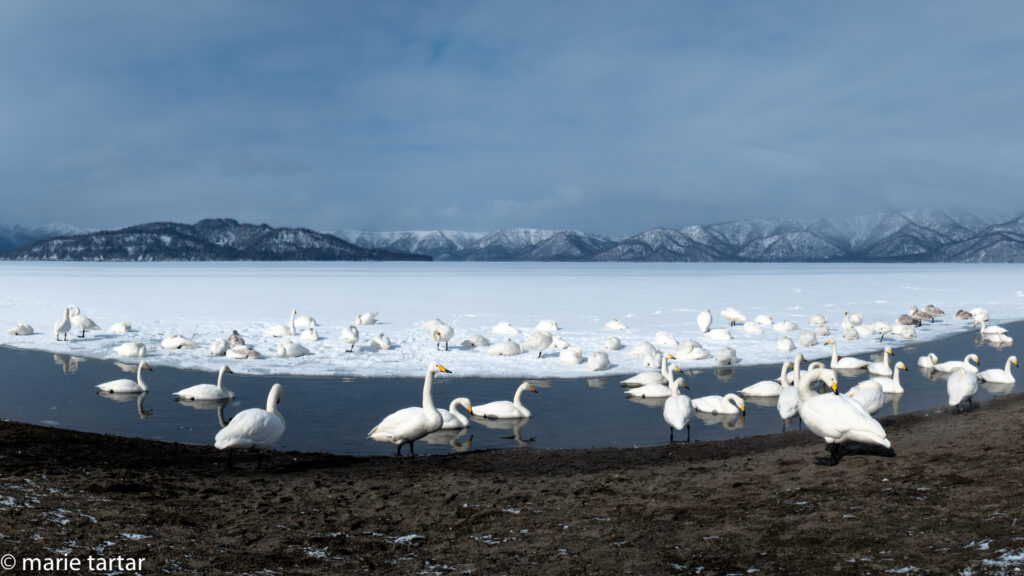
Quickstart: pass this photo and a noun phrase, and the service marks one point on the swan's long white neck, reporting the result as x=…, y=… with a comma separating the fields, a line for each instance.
x=220, y=377
x=273, y=398
x=291, y=325
x=428, y=398
x=735, y=399
x=785, y=368
x=835, y=354
x=1009, y=362
x=518, y=399
x=454, y=405
x=796, y=367
x=967, y=359
x=885, y=358
x=674, y=386
x=67, y=313
x=138, y=376
x=664, y=368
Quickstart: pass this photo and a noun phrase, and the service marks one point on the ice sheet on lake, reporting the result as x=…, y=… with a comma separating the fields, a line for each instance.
x=206, y=301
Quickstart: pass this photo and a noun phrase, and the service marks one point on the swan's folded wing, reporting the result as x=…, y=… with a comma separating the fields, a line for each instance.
x=252, y=428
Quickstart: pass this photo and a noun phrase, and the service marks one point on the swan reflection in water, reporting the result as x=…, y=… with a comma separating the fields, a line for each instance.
x=997, y=388
x=762, y=401
x=596, y=383
x=997, y=344
x=70, y=363
x=451, y=437
x=129, y=368
x=894, y=399
x=724, y=374
x=125, y=398
x=514, y=424
x=728, y=421
x=647, y=401
x=217, y=405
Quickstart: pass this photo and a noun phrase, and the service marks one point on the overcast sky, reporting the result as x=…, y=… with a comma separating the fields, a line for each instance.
x=608, y=117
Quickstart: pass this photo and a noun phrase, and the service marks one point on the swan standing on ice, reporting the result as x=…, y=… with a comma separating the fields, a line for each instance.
x=1003, y=376
x=728, y=404
x=677, y=410
x=20, y=329
x=350, y=334
x=280, y=331
x=289, y=349
x=846, y=362
x=442, y=333
x=788, y=403
x=254, y=428
x=366, y=319
x=837, y=418
x=733, y=316
x=869, y=395
x=704, y=320
x=961, y=385
x=126, y=386
x=504, y=408
x=881, y=368
x=208, y=391
x=63, y=326
x=131, y=350
x=452, y=419
x=81, y=322
x=615, y=324
x=952, y=365
x=539, y=341
x=408, y=425
x=310, y=335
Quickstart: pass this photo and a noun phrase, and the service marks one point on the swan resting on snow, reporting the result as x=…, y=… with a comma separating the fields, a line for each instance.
x=20, y=329
x=131, y=350
x=289, y=349
x=280, y=331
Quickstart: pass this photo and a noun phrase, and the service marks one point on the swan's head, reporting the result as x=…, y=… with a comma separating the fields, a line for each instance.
x=435, y=368
x=225, y=369
x=901, y=366
x=1013, y=359
x=147, y=366
x=974, y=358
x=827, y=342
x=888, y=350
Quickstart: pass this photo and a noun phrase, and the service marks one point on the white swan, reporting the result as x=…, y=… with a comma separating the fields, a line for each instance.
x=807, y=339
x=881, y=368
x=704, y=320
x=728, y=404
x=381, y=342
x=131, y=350
x=505, y=328
x=906, y=332
x=892, y=385
x=254, y=428
x=752, y=328
x=219, y=347
x=662, y=376
x=998, y=338
x=504, y=408
x=121, y=327
x=666, y=340
x=598, y=361
x=846, y=362
x=817, y=320
x=177, y=342
x=431, y=324
x=506, y=348
x=849, y=333
x=733, y=316
x=126, y=386
x=1003, y=376
x=837, y=418
x=961, y=385
x=452, y=419
x=304, y=321
x=726, y=356
x=63, y=326
x=366, y=319
x=764, y=319
x=690, y=350
x=784, y=344
x=81, y=322
x=785, y=326
x=654, y=390
x=956, y=364
x=242, y=352
x=350, y=334
x=476, y=341
x=547, y=326
x=928, y=361
x=768, y=388
x=979, y=313
x=442, y=333
x=989, y=330
x=677, y=410
x=208, y=391
x=20, y=329
x=310, y=334
x=570, y=356
x=854, y=319
x=558, y=343
x=280, y=331
x=719, y=334
x=642, y=350
x=612, y=343
x=789, y=399
x=408, y=425
x=538, y=341
x=869, y=395
x=615, y=324
x=289, y=349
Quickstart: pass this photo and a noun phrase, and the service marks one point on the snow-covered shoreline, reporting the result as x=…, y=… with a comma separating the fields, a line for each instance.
x=205, y=301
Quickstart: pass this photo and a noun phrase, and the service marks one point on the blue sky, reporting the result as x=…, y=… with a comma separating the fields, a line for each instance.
x=609, y=117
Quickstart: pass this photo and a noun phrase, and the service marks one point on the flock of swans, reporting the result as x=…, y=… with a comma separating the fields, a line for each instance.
x=837, y=417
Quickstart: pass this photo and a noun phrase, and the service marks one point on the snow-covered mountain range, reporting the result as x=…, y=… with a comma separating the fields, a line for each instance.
x=921, y=236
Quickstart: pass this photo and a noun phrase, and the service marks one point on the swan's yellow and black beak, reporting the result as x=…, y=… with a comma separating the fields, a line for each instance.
x=149, y=368
x=1015, y=363
x=469, y=409
x=976, y=361
x=835, y=388
x=230, y=371
x=441, y=368
x=532, y=389
x=677, y=369
x=670, y=357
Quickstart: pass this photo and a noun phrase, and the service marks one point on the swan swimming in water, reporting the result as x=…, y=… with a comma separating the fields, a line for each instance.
x=504, y=408
x=126, y=386
x=928, y=362
x=408, y=425
x=1003, y=376
x=881, y=368
x=677, y=410
x=280, y=331
x=254, y=428
x=768, y=388
x=452, y=419
x=208, y=391
x=654, y=390
x=952, y=365
x=661, y=377
x=892, y=385
x=846, y=362
x=728, y=404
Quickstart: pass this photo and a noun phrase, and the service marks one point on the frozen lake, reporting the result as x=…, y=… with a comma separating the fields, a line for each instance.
x=206, y=301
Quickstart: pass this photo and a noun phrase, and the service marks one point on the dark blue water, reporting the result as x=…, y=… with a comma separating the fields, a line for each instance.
x=333, y=414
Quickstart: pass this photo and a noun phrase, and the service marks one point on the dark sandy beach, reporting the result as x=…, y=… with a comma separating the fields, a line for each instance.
x=949, y=502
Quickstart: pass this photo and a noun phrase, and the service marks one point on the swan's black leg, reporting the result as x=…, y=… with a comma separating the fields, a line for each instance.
x=538, y=354
x=445, y=345
x=439, y=346
x=687, y=433
x=670, y=432
x=259, y=460
x=411, y=452
x=399, y=454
